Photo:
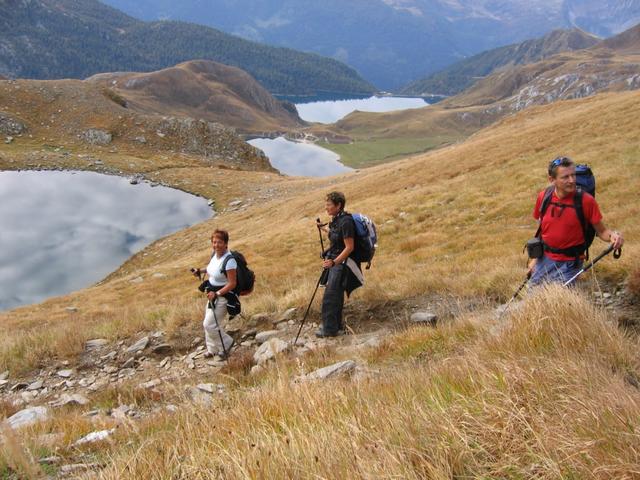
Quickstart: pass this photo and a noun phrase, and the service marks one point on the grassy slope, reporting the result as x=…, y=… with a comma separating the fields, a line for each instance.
x=539, y=400
x=453, y=220
x=545, y=398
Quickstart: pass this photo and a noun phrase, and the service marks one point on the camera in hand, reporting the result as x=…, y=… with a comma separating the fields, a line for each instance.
x=205, y=287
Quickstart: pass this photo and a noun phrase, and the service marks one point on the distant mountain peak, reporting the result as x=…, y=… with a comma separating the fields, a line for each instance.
x=461, y=75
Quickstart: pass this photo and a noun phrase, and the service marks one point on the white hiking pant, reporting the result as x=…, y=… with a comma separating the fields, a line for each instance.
x=213, y=331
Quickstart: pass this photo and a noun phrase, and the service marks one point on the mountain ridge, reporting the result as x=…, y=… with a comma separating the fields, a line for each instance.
x=461, y=75
x=95, y=38
x=204, y=90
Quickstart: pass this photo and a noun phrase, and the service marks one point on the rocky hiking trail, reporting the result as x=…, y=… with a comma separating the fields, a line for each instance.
x=116, y=384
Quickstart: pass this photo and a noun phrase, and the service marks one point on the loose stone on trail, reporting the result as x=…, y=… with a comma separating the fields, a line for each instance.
x=139, y=346
x=424, y=317
x=28, y=416
x=331, y=371
x=262, y=337
x=96, y=343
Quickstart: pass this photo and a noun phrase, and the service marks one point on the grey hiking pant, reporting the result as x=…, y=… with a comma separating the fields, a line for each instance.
x=213, y=331
x=333, y=300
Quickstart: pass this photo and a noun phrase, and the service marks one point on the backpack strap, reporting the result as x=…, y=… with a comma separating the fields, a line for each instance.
x=223, y=268
x=546, y=200
x=578, y=205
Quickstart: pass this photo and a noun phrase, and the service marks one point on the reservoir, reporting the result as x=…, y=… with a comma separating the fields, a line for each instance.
x=330, y=111
x=300, y=159
x=307, y=159
x=63, y=231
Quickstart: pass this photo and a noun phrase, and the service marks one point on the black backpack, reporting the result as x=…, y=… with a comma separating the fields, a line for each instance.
x=245, y=278
x=585, y=182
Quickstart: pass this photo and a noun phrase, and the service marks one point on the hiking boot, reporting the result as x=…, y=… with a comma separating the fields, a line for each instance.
x=222, y=355
x=323, y=334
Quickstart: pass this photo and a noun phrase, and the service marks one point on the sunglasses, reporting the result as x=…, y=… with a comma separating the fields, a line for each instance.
x=556, y=162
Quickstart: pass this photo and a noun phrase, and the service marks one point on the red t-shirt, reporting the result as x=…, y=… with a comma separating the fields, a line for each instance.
x=560, y=226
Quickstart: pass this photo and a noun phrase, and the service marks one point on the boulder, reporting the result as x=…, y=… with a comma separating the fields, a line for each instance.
x=162, y=349
x=287, y=315
x=121, y=412
x=139, y=346
x=28, y=416
x=262, y=337
x=331, y=371
x=206, y=387
x=424, y=317
x=95, y=136
x=95, y=343
x=95, y=437
x=10, y=126
x=66, y=399
x=67, y=373
x=198, y=396
x=37, y=385
x=269, y=350
x=150, y=384
x=129, y=363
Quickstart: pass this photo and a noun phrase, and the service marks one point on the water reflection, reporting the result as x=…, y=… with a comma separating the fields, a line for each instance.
x=62, y=231
x=332, y=111
x=300, y=159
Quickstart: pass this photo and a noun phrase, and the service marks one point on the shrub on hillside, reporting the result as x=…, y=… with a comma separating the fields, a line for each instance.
x=114, y=97
x=633, y=284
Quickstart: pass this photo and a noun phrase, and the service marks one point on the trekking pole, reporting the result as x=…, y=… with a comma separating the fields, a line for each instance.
x=304, y=318
x=522, y=285
x=607, y=251
x=319, y=225
x=213, y=310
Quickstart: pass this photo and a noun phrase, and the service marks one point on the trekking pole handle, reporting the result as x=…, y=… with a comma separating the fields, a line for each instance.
x=604, y=253
x=197, y=273
x=320, y=225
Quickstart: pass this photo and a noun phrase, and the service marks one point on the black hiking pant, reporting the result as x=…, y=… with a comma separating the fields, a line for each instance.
x=333, y=300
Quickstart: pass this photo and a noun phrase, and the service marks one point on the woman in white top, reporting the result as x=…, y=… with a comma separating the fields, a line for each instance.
x=218, y=342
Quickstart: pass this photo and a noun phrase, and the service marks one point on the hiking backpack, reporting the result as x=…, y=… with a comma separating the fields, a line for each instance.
x=245, y=278
x=585, y=182
x=366, y=239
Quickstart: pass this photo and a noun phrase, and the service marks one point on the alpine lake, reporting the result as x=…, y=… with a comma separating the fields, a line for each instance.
x=62, y=231
x=299, y=158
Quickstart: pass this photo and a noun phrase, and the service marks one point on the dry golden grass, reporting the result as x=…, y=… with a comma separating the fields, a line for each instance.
x=547, y=395
x=545, y=398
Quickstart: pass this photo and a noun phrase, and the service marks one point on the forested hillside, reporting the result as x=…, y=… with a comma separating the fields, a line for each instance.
x=48, y=39
x=393, y=42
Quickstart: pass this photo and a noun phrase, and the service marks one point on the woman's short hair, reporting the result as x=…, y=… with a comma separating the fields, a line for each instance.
x=337, y=198
x=221, y=234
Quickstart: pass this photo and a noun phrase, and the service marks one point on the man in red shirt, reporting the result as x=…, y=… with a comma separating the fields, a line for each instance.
x=560, y=228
